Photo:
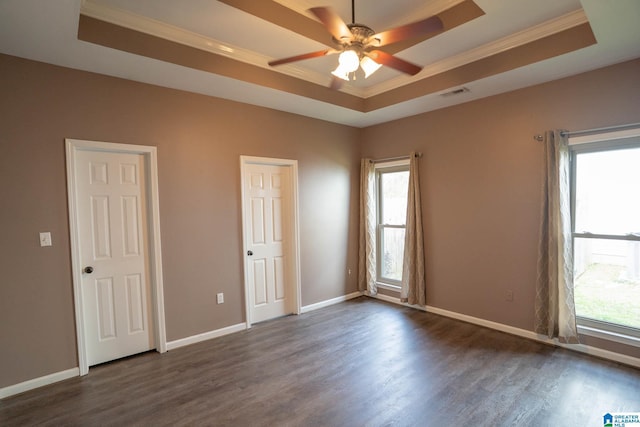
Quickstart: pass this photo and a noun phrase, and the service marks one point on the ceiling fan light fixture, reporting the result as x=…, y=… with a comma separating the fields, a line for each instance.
x=357, y=45
x=369, y=66
x=349, y=61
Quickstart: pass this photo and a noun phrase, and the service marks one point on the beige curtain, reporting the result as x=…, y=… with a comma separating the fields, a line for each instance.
x=413, y=284
x=554, y=309
x=367, y=231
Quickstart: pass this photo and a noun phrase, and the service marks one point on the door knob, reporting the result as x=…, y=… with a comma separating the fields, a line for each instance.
x=88, y=270
x=249, y=253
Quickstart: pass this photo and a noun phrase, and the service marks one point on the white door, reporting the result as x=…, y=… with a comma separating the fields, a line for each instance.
x=111, y=206
x=268, y=241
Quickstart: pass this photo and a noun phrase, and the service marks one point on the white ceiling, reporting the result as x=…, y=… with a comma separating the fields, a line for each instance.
x=47, y=31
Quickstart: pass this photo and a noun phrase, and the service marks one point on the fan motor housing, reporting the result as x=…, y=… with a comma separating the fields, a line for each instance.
x=361, y=34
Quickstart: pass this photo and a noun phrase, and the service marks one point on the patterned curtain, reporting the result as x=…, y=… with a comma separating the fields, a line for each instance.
x=367, y=231
x=414, y=289
x=554, y=309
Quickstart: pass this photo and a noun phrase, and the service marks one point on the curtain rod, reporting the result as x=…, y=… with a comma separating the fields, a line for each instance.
x=590, y=131
x=390, y=159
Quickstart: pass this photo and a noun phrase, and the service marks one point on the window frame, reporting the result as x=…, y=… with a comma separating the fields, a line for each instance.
x=382, y=168
x=595, y=143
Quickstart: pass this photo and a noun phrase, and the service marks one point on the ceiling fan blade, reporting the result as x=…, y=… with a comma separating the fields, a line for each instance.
x=302, y=57
x=332, y=22
x=408, y=31
x=394, y=62
x=336, y=83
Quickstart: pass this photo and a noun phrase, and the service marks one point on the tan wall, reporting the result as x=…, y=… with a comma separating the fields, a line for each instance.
x=480, y=188
x=481, y=179
x=199, y=142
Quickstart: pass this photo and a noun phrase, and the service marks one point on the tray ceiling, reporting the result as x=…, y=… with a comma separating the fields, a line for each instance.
x=221, y=48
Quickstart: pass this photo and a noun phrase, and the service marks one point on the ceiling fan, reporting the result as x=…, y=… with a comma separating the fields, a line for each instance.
x=357, y=45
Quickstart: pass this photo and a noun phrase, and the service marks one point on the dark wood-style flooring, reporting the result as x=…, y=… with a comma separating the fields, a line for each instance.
x=359, y=363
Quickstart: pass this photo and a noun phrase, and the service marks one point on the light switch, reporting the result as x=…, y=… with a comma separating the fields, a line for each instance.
x=45, y=238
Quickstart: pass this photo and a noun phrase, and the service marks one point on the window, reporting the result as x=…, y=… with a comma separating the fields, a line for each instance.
x=392, y=186
x=606, y=234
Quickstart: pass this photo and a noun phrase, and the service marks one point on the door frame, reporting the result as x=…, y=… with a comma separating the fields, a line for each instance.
x=293, y=229
x=154, y=255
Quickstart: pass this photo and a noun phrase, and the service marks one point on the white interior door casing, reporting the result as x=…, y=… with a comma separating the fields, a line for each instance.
x=270, y=231
x=115, y=250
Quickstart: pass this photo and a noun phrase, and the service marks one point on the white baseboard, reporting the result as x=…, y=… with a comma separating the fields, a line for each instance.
x=172, y=345
x=486, y=323
x=59, y=376
x=38, y=382
x=332, y=301
x=593, y=351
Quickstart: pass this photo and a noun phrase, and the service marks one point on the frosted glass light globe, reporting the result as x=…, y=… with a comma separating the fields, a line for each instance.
x=369, y=66
x=349, y=61
x=341, y=73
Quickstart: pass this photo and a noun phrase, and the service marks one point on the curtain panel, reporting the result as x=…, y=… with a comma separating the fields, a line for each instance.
x=367, y=229
x=554, y=306
x=413, y=288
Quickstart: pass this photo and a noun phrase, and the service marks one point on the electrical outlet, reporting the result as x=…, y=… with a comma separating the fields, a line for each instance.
x=508, y=296
x=45, y=238
x=220, y=298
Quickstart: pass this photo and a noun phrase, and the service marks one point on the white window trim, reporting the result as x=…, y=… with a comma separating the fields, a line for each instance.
x=600, y=142
x=609, y=137
x=386, y=284
x=389, y=286
x=610, y=332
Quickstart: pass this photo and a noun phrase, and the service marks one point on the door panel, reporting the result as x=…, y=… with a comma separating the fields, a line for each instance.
x=278, y=279
x=130, y=225
x=257, y=221
x=276, y=216
x=135, y=298
x=106, y=310
x=100, y=230
x=111, y=199
x=259, y=282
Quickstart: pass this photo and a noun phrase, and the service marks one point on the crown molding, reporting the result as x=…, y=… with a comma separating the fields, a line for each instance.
x=531, y=34
x=172, y=33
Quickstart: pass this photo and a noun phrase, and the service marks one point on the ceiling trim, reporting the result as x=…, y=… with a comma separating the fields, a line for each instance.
x=172, y=33
x=506, y=54
x=457, y=12
x=128, y=40
x=556, y=44
x=545, y=29
x=132, y=41
x=465, y=8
